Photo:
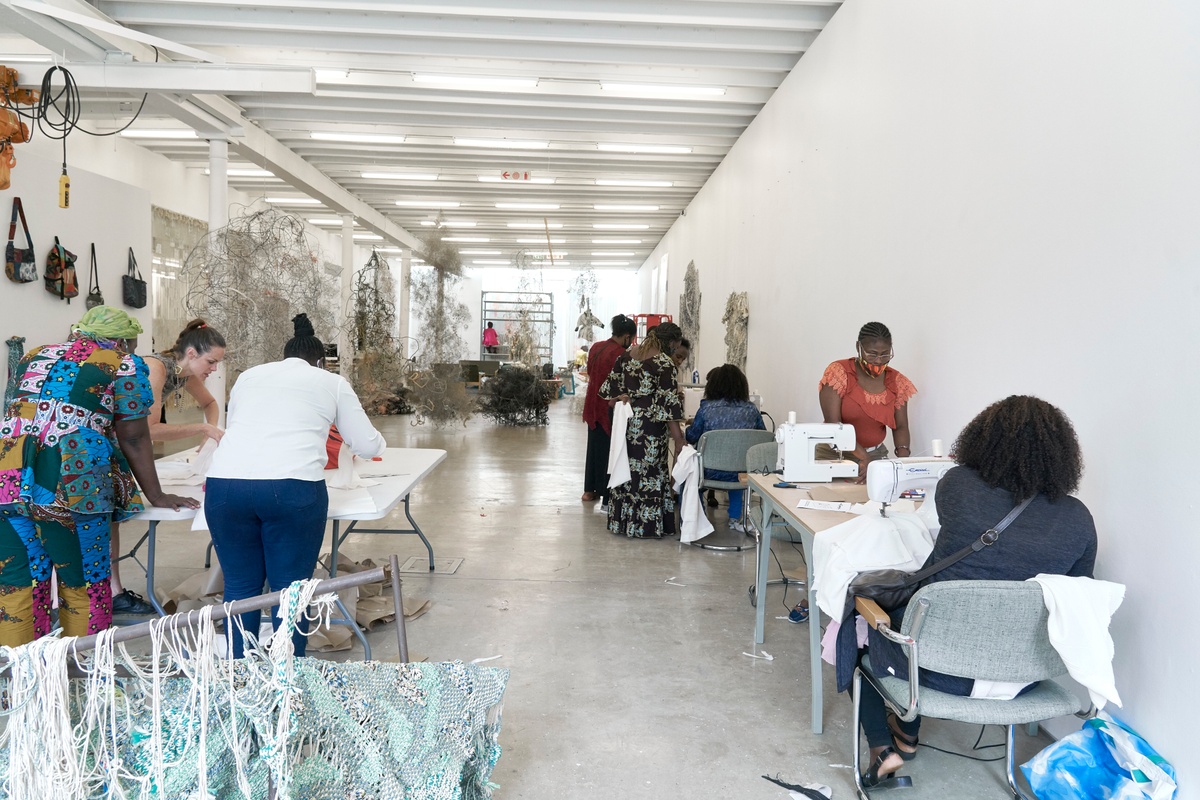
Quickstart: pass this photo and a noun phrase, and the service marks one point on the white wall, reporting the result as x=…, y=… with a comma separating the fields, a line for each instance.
x=113, y=215
x=1014, y=188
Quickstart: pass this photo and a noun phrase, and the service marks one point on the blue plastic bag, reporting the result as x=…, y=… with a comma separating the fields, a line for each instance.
x=1106, y=760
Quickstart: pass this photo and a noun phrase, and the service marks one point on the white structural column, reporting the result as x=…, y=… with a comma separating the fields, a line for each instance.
x=402, y=300
x=345, y=352
x=218, y=217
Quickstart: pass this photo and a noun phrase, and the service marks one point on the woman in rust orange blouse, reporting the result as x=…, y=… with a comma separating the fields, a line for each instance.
x=868, y=394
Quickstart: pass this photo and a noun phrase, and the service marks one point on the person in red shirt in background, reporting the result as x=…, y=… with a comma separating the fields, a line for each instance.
x=868, y=394
x=597, y=412
x=491, y=339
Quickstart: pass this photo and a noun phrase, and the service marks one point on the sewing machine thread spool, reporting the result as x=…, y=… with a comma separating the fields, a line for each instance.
x=936, y=448
x=791, y=418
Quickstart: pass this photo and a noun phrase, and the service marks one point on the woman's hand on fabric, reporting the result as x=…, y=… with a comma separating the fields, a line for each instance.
x=174, y=502
x=213, y=432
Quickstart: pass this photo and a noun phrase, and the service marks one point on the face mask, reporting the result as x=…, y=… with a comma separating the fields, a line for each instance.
x=874, y=370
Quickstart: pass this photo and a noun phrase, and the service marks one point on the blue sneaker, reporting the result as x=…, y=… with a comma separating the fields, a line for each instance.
x=798, y=614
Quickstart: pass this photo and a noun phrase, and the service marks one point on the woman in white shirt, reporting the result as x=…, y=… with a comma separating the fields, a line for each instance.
x=265, y=498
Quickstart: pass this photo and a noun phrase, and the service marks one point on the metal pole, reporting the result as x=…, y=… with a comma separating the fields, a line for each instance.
x=401, y=630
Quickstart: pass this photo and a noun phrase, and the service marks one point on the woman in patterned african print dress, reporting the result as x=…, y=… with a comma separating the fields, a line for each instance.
x=63, y=479
x=644, y=507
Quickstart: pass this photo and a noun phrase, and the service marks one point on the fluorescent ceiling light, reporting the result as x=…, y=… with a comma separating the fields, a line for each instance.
x=541, y=241
x=479, y=239
x=357, y=138
x=663, y=90
x=158, y=133
x=617, y=147
x=390, y=249
x=616, y=241
x=475, y=81
x=494, y=262
x=498, y=179
x=546, y=254
x=294, y=201
x=535, y=226
x=528, y=206
x=610, y=263
x=325, y=221
x=634, y=183
x=613, y=253
x=600, y=207
x=401, y=176
x=617, y=226
x=368, y=237
x=449, y=223
x=240, y=172
x=427, y=203
x=25, y=57
x=510, y=144
x=480, y=252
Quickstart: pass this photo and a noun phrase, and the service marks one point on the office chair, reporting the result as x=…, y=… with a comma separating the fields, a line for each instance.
x=987, y=630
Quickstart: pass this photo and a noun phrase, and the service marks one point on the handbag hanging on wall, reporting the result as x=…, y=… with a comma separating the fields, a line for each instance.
x=20, y=264
x=61, y=280
x=893, y=588
x=133, y=288
x=94, y=298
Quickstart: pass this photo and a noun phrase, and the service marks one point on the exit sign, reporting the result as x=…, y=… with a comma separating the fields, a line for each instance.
x=515, y=175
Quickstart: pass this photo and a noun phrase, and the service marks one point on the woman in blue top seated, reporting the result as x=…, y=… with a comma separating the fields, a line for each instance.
x=726, y=406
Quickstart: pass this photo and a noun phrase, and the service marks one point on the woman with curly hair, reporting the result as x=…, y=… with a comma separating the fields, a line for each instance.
x=644, y=377
x=1018, y=448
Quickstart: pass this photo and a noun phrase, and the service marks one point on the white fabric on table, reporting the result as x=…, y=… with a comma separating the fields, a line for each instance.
x=1080, y=612
x=188, y=470
x=898, y=541
x=618, y=449
x=693, y=522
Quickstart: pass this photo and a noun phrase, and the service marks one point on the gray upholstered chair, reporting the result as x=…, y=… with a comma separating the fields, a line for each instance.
x=987, y=630
x=726, y=451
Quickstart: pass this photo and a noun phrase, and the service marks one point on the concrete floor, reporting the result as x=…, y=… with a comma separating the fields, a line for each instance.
x=622, y=686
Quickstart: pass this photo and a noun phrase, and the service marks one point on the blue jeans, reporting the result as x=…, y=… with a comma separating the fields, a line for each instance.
x=735, y=505
x=265, y=532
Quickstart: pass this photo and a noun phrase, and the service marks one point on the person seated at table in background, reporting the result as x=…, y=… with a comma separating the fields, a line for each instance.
x=265, y=499
x=865, y=392
x=75, y=430
x=195, y=355
x=1018, y=448
x=726, y=406
x=491, y=339
x=581, y=355
x=597, y=413
x=644, y=377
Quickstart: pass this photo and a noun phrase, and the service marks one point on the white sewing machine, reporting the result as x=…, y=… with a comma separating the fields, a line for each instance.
x=889, y=478
x=692, y=395
x=797, y=451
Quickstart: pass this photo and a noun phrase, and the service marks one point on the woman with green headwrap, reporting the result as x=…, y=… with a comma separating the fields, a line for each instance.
x=62, y=482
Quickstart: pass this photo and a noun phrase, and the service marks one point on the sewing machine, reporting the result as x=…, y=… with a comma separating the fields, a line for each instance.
x=890, y=478
x=692, y=395
x=797, y=451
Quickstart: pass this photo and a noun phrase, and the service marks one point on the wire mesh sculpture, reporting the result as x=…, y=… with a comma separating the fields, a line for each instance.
x=249, y=278
x=689, y=314
x=377, y=366
x=525, y=334
x=438, y=393
x=586, y=325
x=737, y=325
x=516, y=396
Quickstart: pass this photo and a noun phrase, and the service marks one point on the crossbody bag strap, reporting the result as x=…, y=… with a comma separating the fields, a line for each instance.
x=986, y=539
x=24, y=225
x=94, y=280
x=12, y=226
x=132, y=266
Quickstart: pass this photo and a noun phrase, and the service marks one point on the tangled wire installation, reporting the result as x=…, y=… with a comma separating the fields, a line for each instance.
x=249, y=278
x=689, y=314
x=516, y=396
x=437, y=393
x=378, y=367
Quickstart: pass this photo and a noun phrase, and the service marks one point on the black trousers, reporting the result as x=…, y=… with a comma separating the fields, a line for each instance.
x=595, y=468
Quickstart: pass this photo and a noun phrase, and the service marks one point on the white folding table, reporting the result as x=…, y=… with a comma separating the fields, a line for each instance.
x=397, y=473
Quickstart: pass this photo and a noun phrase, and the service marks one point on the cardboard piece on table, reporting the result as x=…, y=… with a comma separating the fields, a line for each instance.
x=844, y=493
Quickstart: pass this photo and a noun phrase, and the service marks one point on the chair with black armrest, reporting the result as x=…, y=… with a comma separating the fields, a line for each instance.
x=726, y=451
x=953, y=627
x=763, y=459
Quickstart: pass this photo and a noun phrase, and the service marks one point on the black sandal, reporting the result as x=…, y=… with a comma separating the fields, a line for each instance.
x=871, y=779
x=899, y=737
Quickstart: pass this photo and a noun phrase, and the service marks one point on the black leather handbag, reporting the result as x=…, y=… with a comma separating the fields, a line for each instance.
x=133, y=288
x=94, y=297
x=893, y=588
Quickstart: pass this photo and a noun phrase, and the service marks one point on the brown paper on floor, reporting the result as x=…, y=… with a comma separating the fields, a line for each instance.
x=199, y=590
x=369, y=605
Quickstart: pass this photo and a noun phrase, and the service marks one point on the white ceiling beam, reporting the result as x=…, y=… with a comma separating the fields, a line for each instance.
x=49, y=33
x=93, y=22
x=191, y=78
x=769, y=15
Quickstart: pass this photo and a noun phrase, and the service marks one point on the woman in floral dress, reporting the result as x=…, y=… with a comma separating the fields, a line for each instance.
x=644, y=508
